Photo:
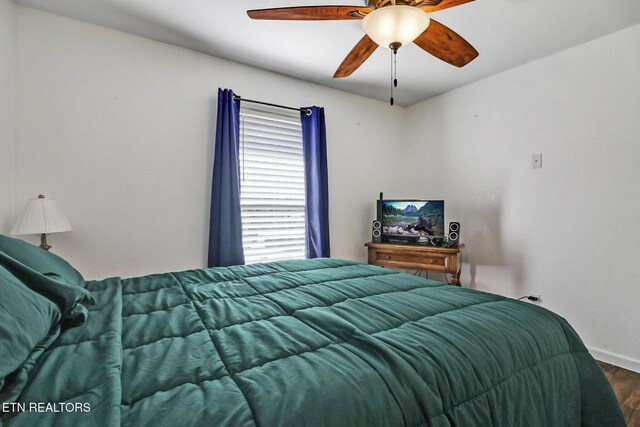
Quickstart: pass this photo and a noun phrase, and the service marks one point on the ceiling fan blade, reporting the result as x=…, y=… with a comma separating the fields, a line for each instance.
x=311, y=13
x=444, y=43
x=445, y=4
x=356, y=57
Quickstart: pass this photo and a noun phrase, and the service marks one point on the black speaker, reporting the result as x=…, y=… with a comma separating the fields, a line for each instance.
x=453, y=239
x=376, y=231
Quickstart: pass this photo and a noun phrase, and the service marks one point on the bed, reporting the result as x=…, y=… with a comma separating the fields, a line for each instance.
x=324, y=342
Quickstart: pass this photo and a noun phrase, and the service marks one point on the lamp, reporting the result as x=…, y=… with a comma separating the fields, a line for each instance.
x=394, y=26
x=41, y=216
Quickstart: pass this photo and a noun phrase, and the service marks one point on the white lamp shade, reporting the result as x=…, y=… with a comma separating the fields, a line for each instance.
x=41, y=216
x=395, y=24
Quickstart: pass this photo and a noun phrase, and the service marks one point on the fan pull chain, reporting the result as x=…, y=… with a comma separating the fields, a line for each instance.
x=391, y=85
x=394, y=68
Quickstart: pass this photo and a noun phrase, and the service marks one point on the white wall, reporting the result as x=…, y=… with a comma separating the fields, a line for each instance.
x=568, y=231
x=7, y=119
x=120, y=129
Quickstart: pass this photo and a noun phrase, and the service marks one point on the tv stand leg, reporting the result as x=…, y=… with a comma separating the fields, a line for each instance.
x=455, y=279
x=452, y=263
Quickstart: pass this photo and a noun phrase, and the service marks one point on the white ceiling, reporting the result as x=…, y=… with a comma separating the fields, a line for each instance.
x=507, y=33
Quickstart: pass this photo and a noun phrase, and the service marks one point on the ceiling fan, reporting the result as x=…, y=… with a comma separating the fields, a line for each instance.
x=387, y=23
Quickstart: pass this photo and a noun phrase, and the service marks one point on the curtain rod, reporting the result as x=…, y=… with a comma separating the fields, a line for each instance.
x=306, y=110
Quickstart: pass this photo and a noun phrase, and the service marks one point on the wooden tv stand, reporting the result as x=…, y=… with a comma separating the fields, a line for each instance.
x=417, y=257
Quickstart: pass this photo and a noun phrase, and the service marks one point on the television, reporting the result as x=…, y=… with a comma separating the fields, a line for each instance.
x=412, y=220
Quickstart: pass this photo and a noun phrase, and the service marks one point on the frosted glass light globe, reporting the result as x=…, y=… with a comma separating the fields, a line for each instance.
x=395, y=24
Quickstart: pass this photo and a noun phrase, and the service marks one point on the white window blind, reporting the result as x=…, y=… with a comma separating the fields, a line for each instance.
x=272, y=193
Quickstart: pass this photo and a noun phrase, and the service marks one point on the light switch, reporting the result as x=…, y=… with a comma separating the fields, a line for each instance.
x=536, y=161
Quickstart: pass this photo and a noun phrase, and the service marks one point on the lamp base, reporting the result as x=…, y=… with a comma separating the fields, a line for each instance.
x=43, y=242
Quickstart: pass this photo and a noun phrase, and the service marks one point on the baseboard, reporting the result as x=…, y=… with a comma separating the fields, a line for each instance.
x=615, y=359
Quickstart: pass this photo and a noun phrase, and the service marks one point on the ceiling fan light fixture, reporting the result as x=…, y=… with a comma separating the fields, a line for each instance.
x=395, y=24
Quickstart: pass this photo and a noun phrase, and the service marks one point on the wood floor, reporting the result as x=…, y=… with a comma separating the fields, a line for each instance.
x=626, y=385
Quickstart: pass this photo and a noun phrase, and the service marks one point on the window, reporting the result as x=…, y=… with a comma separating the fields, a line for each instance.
x=272, y=191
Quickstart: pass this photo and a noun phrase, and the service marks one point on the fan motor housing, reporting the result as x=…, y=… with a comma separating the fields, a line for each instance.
x=376, y=4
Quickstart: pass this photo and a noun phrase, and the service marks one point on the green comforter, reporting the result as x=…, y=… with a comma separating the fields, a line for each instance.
x=322, y=342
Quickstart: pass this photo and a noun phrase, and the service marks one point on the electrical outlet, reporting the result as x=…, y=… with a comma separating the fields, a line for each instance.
x=538, y=298
x=536, y=161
